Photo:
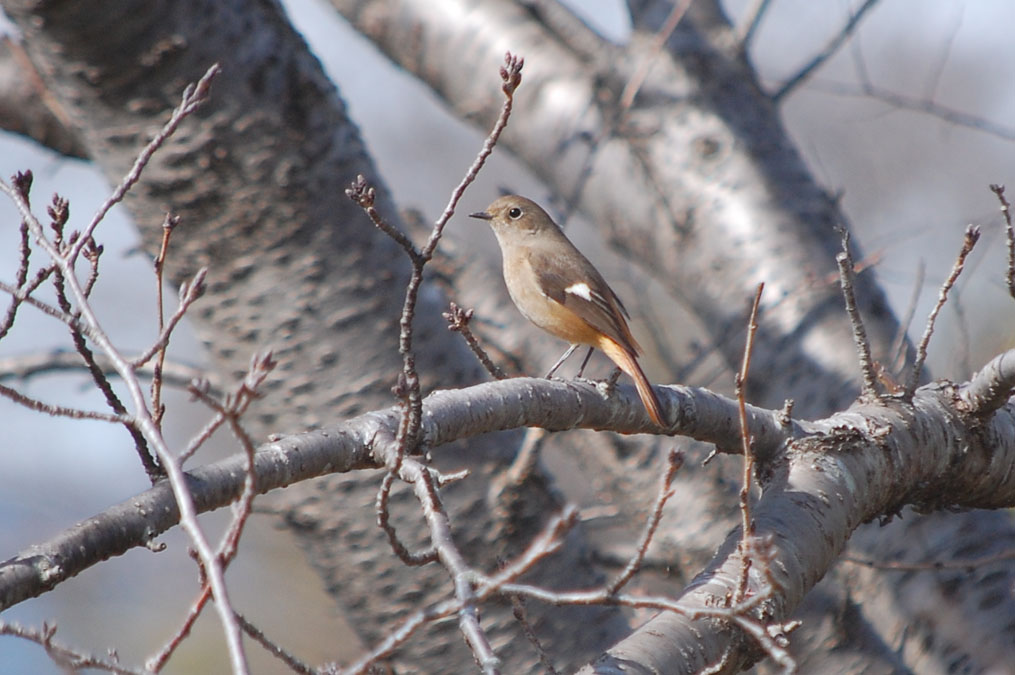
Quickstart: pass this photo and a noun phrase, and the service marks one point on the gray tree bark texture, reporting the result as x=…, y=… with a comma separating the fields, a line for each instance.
x=259, y=186
x=697, y=185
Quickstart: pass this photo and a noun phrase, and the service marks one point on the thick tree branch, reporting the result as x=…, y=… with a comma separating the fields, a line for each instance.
x=866, y=457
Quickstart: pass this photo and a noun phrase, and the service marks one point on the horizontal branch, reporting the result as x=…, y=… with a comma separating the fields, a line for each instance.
x=913, y=447
x=353, y=445
x=25, y=366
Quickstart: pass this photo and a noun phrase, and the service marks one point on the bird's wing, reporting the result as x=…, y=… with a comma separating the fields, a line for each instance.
x=566, y=281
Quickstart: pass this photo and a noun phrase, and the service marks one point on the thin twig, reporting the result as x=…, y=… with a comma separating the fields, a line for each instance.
x=92, y=252
x=230, y=410
x=898, y=349
x=59, y=213
x=674, y=460
x=66, y=658
x=198, y=440
x=413, y=471
x=770, y=638
x=22, y=182
x=384, y=521
x=365, y=196
x=747, y=523
x=847, y=275
x=965, y=564
x=20, y=293
x=826, y=53
x=157, y=661
x=62, y=411
x=546, y=543
x=458, y=321
x=518, y=609
x=193, y=97
x=282, y=655
x=634, y=84
x=189, y=293
x=900, y=101
x=23, y=295
x=752, y=20
x=168, y=224
x=1009, y=231
x=462, y=575
x=261, y=366
x=25, y=366
x=968, y=242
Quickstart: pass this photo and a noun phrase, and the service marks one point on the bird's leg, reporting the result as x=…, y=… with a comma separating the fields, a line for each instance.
x=588, y=356
x=562, y=359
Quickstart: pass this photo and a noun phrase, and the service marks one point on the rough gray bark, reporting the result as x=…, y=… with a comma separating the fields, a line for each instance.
x=258, y=179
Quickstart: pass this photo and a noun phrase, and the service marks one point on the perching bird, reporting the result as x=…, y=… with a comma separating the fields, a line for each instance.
x=555, y=287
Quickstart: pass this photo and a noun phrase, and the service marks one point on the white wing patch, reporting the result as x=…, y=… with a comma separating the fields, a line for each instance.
x=581, y=289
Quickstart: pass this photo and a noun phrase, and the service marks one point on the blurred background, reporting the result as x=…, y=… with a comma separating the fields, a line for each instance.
x=908, y=122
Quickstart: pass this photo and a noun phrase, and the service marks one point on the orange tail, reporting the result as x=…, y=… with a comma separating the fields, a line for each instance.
x=627, y=362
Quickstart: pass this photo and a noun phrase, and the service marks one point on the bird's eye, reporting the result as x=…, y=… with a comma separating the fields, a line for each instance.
x=515, y=213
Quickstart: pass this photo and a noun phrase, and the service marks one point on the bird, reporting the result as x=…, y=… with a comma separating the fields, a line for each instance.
x=556, y=288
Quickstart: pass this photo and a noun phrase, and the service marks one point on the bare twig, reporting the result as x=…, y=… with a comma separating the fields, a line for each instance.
x=22, y=292
x=294, y=664
x=199, y=391
x=898, y=349
x=826, y=53
x=65, y=657
x=189, y=293
x=365, y=196
x=740, y=385
x=518, y=608
x=674, y=460
x=92, y=252
x=899, y=101
x=408, y=389
x=522, y=466
x=157, y=661
x=193, y=97
x=968, y=242
x=22, y=182
x=752, y=20
x=771, y=638
x=658, y=42
x=25, y=366
x=168, y=224
x=261, y=365
x=1009, y=231
x=966, y=564
x=546, y=543
x=23, y=295
x=462, y=575
x=62, y=411
x=59, y=213
x=458, y=321
x=847, y=274
x=231, y=410
x=384, y=521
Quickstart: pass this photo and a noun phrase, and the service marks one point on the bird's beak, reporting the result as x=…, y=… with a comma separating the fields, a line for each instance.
x=482, y=215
